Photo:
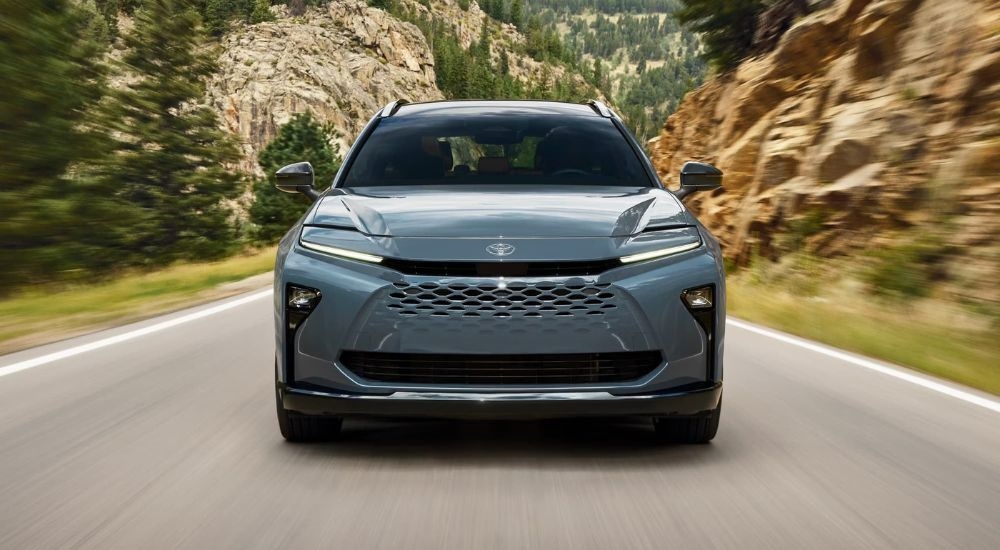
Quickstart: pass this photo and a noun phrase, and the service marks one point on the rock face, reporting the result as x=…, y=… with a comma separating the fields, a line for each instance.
x=343, y=62
x=880, y=118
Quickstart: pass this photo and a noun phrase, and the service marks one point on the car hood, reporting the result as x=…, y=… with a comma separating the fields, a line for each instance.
x=500, y=211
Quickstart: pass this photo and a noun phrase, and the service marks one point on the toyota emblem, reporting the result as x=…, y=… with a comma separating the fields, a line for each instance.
x=500, y=249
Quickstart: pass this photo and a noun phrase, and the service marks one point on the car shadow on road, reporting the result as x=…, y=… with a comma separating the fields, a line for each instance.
x=485, y=442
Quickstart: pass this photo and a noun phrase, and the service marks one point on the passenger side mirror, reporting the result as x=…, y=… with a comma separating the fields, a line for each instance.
x=297, y=178
x=698, y=176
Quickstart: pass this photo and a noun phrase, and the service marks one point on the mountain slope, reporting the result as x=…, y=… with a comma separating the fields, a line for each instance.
x=345, y=60
x=635, y=50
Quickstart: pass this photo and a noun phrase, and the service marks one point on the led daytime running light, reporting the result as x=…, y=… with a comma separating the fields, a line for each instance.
x=643, y=256
x=341, y=252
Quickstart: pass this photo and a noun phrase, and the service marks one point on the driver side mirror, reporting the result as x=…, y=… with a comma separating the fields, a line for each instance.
x=698, y=176
x=297, y=178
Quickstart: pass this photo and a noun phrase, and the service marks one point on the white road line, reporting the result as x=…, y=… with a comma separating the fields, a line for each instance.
x=131, y=335
x=896, y=372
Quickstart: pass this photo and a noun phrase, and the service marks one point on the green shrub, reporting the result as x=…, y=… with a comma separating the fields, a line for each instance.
x=303, y=138
x=387, y=5
x=801, y=228
x=906, y=270
x=261, y=11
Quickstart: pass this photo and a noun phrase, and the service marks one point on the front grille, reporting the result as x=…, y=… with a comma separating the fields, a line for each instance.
x=561, y=368
x=502, y=269
x=515, y=299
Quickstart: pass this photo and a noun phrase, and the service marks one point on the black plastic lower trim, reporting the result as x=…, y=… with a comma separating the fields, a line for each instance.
x=524, y=405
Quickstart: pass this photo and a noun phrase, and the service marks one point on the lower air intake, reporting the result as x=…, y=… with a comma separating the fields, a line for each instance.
x=562, y=368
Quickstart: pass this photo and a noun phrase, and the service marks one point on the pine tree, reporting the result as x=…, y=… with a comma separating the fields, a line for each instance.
x=727, y=27
x=480, y=76
x=261, y=11
x=96, y=28
x=535, y=39
x=301, y=139
x=171, y=158
x=517, y=13
x=50, y=74
x=487, y=6
x=217, y=14
x=109, y=10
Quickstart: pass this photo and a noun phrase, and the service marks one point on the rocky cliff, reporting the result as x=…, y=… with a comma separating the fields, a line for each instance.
x=867, y=123
x=343, y=61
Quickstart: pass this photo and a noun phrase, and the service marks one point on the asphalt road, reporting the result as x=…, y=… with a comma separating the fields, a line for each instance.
x=166, y=438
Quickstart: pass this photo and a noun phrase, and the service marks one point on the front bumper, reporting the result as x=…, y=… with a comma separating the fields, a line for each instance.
x=522, y=405
x=372, y=310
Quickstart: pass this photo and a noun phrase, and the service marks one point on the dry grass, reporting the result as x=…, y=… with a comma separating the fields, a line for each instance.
x=930, y=335
x=53, y=313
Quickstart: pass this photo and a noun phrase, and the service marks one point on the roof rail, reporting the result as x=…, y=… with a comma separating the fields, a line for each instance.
x=599, y=107
x=391, y=108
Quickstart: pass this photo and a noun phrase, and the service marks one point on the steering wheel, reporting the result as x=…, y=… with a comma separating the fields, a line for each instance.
x=570, y=172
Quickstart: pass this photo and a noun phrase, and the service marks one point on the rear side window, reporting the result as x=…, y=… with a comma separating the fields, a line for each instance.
x=483, y=148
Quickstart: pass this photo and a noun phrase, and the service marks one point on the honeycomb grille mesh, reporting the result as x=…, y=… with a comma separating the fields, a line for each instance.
x=516, y=299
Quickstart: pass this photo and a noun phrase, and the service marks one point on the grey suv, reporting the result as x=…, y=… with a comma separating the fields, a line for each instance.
x=498, y=259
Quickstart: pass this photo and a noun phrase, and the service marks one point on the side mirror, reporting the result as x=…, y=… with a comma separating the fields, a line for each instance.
x=297, y=178
x=698, y=176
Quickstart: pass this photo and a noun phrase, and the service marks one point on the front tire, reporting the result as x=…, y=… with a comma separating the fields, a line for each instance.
x=297, y=427
x=699, y=428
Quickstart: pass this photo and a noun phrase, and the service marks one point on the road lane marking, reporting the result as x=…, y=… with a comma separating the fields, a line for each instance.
x=131, y=335
x=900, y=373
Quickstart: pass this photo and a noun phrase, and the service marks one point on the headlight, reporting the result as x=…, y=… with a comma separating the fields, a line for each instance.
x=341, y=252
x=652, y=254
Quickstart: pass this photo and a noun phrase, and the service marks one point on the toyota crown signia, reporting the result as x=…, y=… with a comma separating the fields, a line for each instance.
x=498, y=259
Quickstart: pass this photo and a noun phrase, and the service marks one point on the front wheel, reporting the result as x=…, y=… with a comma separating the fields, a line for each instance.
x=297, y=427
x=699, y=428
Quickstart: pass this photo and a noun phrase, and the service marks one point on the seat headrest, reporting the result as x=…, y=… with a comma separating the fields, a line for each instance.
x=493, y=165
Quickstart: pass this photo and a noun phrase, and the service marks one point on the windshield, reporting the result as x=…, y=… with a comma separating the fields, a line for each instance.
x=496, y=149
